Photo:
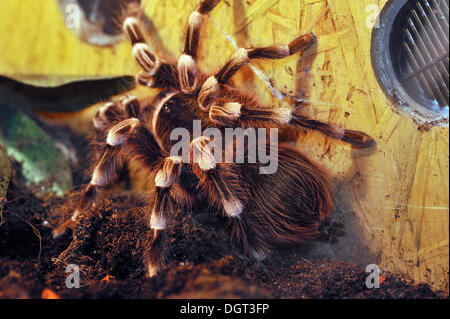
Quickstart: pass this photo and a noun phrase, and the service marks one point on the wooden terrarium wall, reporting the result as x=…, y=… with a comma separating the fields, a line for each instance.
x=394, y=197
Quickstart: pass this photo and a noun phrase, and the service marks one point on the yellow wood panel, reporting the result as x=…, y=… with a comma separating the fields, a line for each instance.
x=35, y=42
x=394, y=197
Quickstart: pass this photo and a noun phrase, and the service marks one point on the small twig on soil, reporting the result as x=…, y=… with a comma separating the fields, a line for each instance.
x=304, y=259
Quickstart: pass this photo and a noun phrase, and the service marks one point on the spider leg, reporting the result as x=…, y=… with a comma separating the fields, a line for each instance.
x=155, y=73
x=213, y=87
x=163, y=207
x=112, y=113
x=195, y=23
x=125, y=140
x=356, y=138
x=229, y=114
x=246, y=241
x=105, y=170
x=247, y=115
x=217, y=182
x=108, y=119
x=243, y=56
x=222, y=188
x=224, y=111
x=189, y=75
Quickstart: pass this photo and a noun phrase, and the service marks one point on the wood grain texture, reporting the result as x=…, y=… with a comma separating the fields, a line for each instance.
x=394, y=198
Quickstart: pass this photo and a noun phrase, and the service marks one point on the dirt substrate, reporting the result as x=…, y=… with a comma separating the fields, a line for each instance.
x=107, y=246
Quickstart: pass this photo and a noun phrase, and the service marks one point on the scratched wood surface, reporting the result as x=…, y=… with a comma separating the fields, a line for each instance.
x=394, y=198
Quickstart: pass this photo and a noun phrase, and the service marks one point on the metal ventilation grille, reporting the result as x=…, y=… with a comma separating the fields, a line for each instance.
x=419, y=49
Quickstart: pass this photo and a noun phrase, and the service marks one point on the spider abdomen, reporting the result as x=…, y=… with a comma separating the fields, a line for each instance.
x=289, y=206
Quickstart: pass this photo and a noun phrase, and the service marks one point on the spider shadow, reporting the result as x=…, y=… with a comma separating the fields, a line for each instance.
x=238, y=19
x=352, y=246
x=303, y=81
x=156, y=40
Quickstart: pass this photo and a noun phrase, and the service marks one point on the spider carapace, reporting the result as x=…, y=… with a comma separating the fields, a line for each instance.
x=291, y=205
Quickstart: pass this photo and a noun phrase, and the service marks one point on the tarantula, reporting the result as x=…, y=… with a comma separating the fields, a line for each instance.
x=291, y=206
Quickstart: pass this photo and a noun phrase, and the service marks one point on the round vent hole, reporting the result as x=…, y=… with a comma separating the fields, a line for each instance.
x=410, y=51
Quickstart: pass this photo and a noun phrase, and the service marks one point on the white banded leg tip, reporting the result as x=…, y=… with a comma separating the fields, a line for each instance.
x=233, y=207
x=145, y=78
x=118, y=133
x=209, y=88
x=207, y=163
x=240, y=56
x=75, y=215
x=98, y=179
x=225, y=114
x=105, y=107
x=145, y=57
x=233, y=108
x=186, y=60
x=210, y=84
x=129, y=21
x=167, y=175
x=98, y=124
x=115, y=139
x=152, y=271
x=157, y=223
x=187, y=71
x=161, y=180
x=186, y=64
x=131, y=27
x=284, y=115
x=195, y=19
x=128, y=99
x=259, y=256
x=202, y=154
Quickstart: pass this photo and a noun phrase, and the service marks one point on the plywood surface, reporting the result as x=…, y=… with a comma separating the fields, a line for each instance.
x=394, y=198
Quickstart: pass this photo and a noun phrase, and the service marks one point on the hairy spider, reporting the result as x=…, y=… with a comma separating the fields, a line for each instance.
x=293, y=205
